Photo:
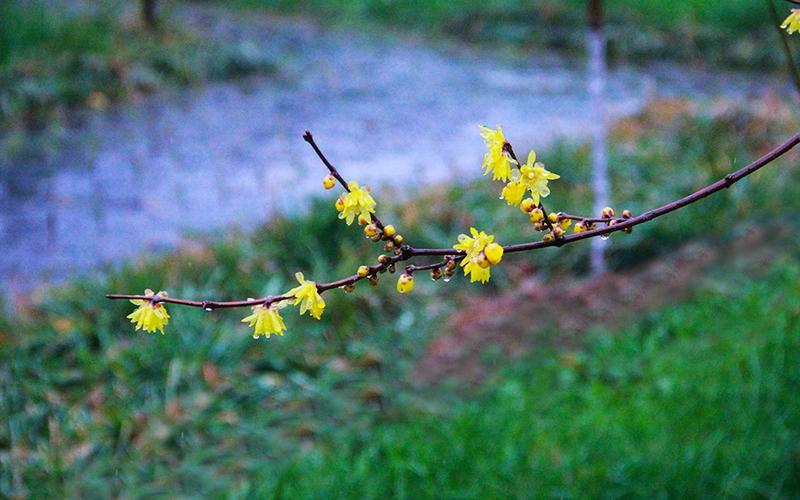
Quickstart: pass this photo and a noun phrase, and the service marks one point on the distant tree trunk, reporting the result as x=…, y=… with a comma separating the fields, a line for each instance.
x=596, y=45
x=149, y=14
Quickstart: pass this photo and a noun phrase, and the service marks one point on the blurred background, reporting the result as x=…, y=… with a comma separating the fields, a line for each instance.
x=158, y=143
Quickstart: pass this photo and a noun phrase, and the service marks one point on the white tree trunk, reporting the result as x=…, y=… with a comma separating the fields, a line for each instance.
x=600, y=184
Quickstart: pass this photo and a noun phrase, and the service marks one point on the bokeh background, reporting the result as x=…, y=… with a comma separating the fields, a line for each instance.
x=165, y=151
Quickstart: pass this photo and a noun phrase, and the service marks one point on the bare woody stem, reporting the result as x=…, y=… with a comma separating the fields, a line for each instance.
x=310, y=139
x=408, y=252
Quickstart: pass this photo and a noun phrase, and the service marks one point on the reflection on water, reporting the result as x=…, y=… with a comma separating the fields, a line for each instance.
x=135, y=178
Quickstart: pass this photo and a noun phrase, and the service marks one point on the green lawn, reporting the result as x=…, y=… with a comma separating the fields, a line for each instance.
x=698, y=400
x=736, y=32
x=52, y=58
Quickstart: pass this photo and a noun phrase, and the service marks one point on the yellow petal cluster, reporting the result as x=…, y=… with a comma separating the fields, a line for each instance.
x=149, y=316
x=475, y=263
x=496, y=159
x=531, y=177
x=307, y=296
x=357, y=202
x=266, y=321
x=792, y=23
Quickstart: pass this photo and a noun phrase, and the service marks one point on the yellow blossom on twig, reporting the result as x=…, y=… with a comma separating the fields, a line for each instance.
x=792, y=23
x=265, y=320
x=475, y=262
x=496, y=160
x=531, y=177
x=307, y=296
x=358, y=202
x=150, y=316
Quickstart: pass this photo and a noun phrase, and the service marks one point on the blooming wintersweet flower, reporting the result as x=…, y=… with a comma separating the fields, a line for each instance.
x=475, y=261
x=513, y=192
x=532, y=177
x=307, y=296
x=792, y=23
x=357, y=202
x=496, y=159
x=265, y=320
x=150, y=316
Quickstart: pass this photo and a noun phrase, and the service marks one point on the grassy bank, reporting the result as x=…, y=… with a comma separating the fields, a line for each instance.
x=52, y=58
x=698, y=400
x=89, y=408
x=738, y=33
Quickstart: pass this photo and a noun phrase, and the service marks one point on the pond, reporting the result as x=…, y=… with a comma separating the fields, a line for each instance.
x=135, y=179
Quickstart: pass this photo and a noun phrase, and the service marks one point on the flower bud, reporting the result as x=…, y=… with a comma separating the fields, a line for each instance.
x=398, y=239
x=363, y=220
x=537, y=215
x=349, y=287
x=538, y=226
x=339, y=204
x=494, y=253
x=373, y=280
x=383, y=259
x=579, y=227
x=565, y=223
x=405, y=283
x=527, y=205
x=363, y=271
x=451, y=264
x=371, y=230
x=388, y=247
x=328, y=182
x=436, y=273
x=481, y=260
x=607, y=213
x=547, y=237
x=558, y=232
x=389, y=231
x=552, y=218
x=392, y=268
x=626, y=214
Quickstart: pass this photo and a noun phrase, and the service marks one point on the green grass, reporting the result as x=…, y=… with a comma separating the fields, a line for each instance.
x=89, y=408
x=738, y=32
x=51, y=59
x=698, y=400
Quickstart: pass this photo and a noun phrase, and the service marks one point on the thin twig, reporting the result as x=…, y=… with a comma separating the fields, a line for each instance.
x=310, y=139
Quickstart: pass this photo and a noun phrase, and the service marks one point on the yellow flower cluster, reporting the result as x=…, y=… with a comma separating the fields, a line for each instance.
x=357, y=202
x=531, y=177
x=307, y=296
x=481, y=253
x=792, y=23
x=265, y=320
x=150, y=316
x=496, y=160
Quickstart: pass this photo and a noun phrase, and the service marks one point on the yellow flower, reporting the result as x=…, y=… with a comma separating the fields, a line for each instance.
x=307, y=296
x=792, y=23
x=496, y=160
x=405, y=283
x=513, y=192
x=149, y=316
x=494, y=253
x=531, y=177
x=476, y=264
x=266, y=321
x=357, y=202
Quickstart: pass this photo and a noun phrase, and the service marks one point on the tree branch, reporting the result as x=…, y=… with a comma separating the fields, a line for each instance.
x=408, y=252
